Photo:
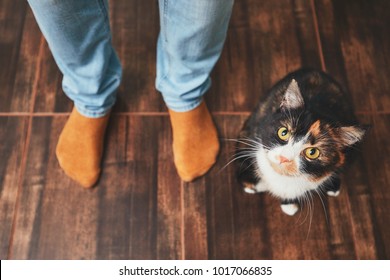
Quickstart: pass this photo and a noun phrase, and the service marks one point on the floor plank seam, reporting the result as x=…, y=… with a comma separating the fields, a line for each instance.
x=182, y=220
x=317, y=33
x=162, y=114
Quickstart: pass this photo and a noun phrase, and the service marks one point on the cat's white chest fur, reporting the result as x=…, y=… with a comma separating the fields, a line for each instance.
x=282, y=186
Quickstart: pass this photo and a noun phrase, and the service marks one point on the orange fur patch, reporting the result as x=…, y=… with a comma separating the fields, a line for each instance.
x=315, y=128
x=248, y=185
x=341, y=159
x=286, y=169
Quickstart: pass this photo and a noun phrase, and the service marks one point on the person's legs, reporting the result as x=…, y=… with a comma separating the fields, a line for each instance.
x=190, y=42
x=78, y=34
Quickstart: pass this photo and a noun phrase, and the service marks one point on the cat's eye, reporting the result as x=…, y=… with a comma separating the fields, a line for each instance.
x=283, y=133
x=312, y=153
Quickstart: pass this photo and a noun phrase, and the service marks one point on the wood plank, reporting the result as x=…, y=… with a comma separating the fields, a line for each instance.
x=330, y=40
x=362, y=202
x=127, y=216
x=194, y=220
x=28, y=63
x=266, y=40
x=122, y=218
x=135, y=26
x=13, y=132
x=12, y=14
x=377, y=173
x=354, y=35
x=169, y=199
x=341, y=236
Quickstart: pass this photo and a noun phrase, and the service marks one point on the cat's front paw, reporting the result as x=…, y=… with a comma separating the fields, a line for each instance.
x=249, y=188
x=333, y=193
x=290, y=209
x=254, y=188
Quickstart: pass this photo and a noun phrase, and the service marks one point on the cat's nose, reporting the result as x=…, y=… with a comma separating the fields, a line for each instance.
x=283, y=159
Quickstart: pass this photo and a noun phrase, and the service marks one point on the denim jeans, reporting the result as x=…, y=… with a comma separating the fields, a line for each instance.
x=189, y=44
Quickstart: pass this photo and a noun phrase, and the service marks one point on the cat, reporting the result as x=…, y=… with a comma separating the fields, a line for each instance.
x=298, y=139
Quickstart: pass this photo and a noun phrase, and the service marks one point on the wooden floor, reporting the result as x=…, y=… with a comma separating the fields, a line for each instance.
x=140, y=208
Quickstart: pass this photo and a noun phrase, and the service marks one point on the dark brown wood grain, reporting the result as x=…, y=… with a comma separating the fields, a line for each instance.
x=266, y=40
x=377, y=175
x=354, y=36
x=140, y=208
x=27, y=66
x=194, y=221
x=358, y=190
x=169, y=199
x=127, y=221
x=12, y=138
x=12, y=15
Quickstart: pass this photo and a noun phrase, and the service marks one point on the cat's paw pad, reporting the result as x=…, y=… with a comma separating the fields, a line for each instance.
x=332, y=193
x=290, y=209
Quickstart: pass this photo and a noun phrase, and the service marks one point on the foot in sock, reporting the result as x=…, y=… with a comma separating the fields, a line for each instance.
x=80, y=148
x=195, y=142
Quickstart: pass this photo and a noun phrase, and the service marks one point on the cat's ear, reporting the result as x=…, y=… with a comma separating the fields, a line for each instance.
x=350, y=135
x=292, y=98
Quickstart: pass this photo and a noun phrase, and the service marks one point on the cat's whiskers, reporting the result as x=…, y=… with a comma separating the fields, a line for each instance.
x=311, y=208
x=301, y=203
x=241, y=141
x=257, y=143
x=262, y=145
x=289, y=117
x=320, y=193
x=298, y=119
x=249, y=152
x=356, y=148
x=237, y=156
x=325, y=135
x=305, y=201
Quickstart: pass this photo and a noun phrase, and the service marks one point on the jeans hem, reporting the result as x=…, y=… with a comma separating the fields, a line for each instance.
x=187, y=107
x=93, y=114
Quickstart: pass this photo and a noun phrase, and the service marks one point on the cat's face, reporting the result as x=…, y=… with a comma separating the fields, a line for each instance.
x=298, y=144
x=303, y=147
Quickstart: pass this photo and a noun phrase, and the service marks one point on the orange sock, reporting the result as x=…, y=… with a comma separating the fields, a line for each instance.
x=80, y=147
x=195, y=142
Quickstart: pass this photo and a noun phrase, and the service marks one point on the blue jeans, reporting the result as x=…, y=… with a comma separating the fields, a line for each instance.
x=189, y=44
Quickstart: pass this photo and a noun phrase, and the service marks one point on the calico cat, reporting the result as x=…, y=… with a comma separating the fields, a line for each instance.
x=298, y=139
